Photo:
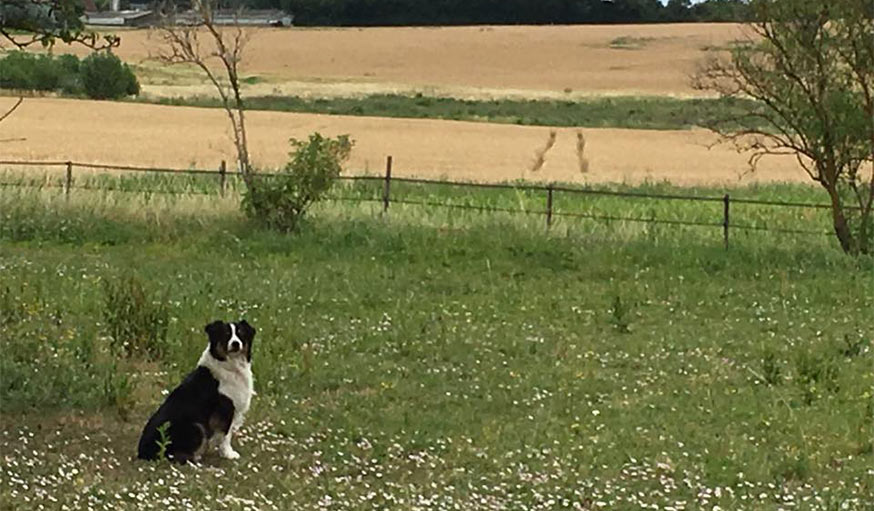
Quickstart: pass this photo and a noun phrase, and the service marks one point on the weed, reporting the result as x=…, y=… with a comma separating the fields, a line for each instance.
x=620, y=314
x=135, y=321
x=817, y=373
x=855, y=347
x=164, y=441
x=771, y=368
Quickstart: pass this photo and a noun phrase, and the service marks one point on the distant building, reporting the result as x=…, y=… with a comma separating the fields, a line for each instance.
x=147, y=18
x=261, y=17
x=137, y=18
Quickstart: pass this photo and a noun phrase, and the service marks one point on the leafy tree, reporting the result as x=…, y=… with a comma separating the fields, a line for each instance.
x=105, y=76
x=27, y=22
x=809, y=66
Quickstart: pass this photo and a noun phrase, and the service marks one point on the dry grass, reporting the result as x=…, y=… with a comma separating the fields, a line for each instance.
x=464, y=61
x=540, y=155
x=125, y=133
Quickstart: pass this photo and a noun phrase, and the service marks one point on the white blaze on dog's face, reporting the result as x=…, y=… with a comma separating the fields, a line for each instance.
x=230, y=340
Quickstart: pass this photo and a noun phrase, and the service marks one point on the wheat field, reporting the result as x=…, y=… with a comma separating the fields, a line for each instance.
x=139, y=134
x=478, y=61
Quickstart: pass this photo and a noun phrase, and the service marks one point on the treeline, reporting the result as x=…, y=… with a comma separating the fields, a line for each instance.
x=474, y=12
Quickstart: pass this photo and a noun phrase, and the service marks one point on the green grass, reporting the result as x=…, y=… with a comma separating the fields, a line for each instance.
x=619, y=112
x=438, y=359
x=629, y=42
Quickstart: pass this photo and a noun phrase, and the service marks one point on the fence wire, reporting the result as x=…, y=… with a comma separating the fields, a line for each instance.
x=550, y=212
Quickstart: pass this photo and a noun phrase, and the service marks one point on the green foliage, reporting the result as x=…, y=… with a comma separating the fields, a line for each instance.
x=453, y=12
x=135, y=321
x=811, y=71
x=99, y=76
x=612, y=112
x=28, y=71
x=105, y=76
x=28, y=22
x=163, y=440
x=280, y=202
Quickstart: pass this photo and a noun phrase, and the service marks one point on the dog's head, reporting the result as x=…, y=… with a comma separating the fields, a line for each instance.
x=232, y=340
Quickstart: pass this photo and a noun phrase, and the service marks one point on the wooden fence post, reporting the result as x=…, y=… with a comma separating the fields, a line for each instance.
x=549, y=206
x=223, y=176
x=68, y=184
x=725, y=207
x=387, y=190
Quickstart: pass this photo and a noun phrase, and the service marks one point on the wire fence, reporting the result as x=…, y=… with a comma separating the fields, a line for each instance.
x=548, y=193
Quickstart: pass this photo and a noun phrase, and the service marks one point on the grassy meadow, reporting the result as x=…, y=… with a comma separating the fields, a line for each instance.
x=435, y=358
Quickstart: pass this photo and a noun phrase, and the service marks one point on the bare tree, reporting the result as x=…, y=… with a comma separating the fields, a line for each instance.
x=181, y=44
x=809, y=66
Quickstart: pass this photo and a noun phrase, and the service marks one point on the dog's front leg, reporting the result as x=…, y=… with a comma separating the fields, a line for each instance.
x=225, y=449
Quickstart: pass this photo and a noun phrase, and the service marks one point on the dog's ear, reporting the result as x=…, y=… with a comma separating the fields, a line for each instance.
x=246, y=331
x=214, y=329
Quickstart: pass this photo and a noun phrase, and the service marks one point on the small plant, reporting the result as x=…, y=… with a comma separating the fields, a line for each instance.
x=853, y=348
x=620, y=315
x=136, y=323
x=118, y=390
x=771, y=370
x=281, y=202
x=105, y=76
x=163, y=440
x=816, y=373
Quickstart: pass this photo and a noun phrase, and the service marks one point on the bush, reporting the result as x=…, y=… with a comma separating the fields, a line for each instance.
x=99, y=76
x=281, y=202
x=26, y=71
x=105, y=76
x=135, y=322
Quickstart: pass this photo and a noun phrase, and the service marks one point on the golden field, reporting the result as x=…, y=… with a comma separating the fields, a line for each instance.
x=543, y=61
x=138, y=134
x=532, y=62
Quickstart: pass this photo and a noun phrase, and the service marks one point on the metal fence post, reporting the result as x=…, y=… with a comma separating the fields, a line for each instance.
x=725, y=207
x=223, y=176
x=549, y=206
x=68, y=184
x=387, y=190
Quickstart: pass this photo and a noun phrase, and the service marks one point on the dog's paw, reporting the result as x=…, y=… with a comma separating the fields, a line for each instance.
x=229, y=454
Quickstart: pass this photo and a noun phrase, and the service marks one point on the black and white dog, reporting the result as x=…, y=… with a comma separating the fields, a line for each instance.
x=209, y=405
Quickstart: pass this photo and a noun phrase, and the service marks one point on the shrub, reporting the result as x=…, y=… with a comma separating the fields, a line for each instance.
x=135, y=322
x=100, y=75
x=26, y=71
x=105, y=76
x=281, y=202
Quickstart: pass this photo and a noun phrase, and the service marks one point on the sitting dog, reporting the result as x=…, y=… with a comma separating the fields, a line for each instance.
x=209, y=405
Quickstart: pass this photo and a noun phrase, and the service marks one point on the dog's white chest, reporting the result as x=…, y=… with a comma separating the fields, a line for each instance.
x=237, y=385
x=235, y=381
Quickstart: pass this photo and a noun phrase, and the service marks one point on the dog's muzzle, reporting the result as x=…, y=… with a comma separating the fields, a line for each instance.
x=235, y=346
